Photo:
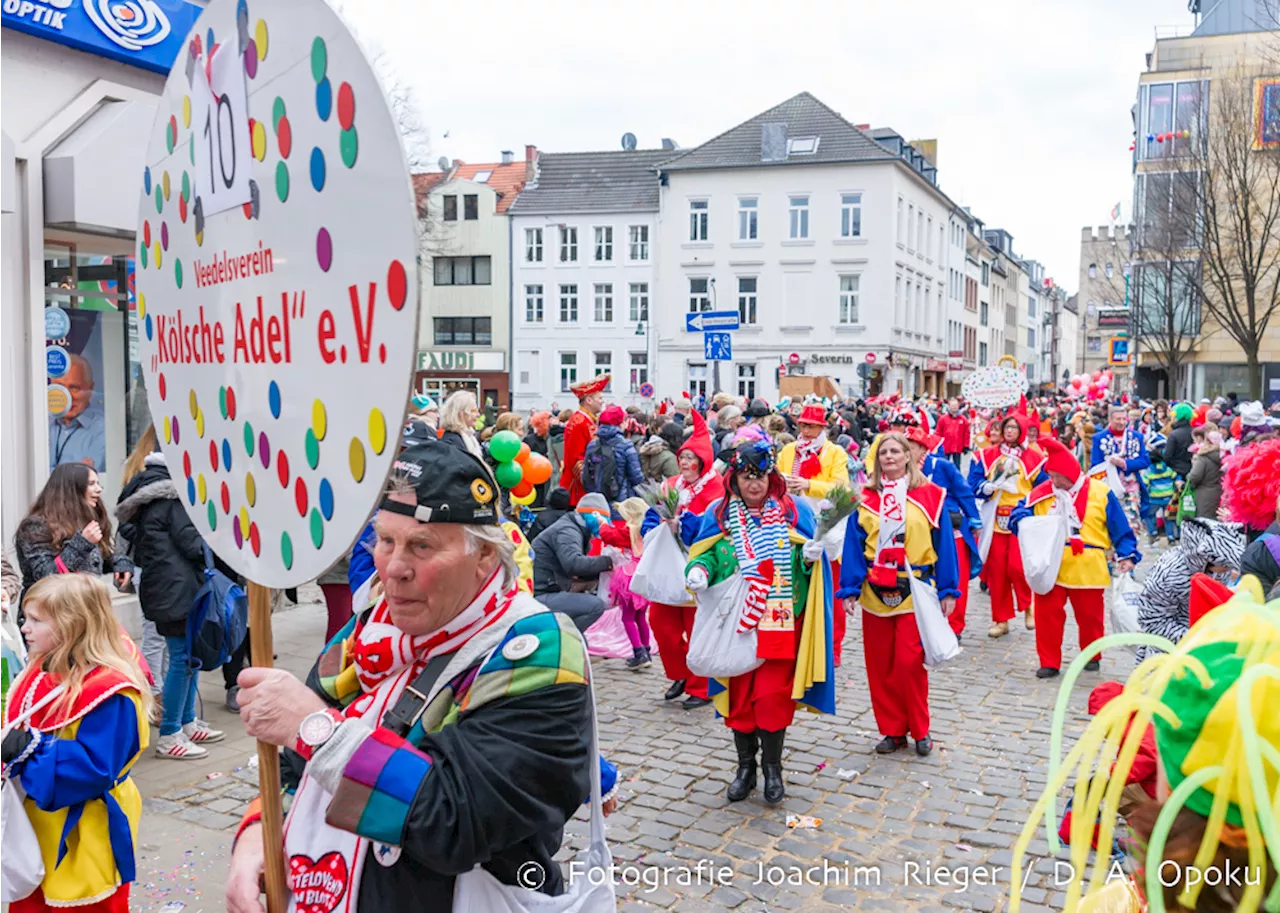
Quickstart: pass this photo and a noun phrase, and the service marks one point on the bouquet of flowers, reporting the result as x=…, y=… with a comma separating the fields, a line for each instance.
x=839, y=503
x=663, y=497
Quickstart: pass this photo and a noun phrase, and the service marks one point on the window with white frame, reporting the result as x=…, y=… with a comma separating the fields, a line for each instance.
x=747, y=299
x=604, y=243
x=568, y=370
x=851, y=215
x=802, y=145
x=748, y=218
x=1093, y=271
x=747, y=381
x=849, y=299
x=533, y=304
x=638, y=242
x=698, y=213
x=698, y=379
x=1031, y=337
x=602, y=363
x=568, y=244
x=986, y=274
x=928, y=239
x=533, y=245
x=920, y=235
x=569, y=304
x=639, y=302
x=639, y=370
x=1107, y=270
x=906, y=307
x=911, y=227
x=899, y=220
x=897, y=301
x=799, y=217
x=920, y=319
x=699, y=296
x=604, y=302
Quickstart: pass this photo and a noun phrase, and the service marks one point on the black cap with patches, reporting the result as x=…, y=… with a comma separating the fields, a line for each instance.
x=450, y=484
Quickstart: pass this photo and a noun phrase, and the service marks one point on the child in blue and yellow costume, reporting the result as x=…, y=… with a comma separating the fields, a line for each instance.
x=759, y=531
x=74, y=754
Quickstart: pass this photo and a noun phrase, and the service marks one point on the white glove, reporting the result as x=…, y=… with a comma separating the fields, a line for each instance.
x=696, y=580
x=615, y=555
x=988, y=489
x=812, y=550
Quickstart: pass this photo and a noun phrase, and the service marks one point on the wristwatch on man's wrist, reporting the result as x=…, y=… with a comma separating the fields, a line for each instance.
x=316, y=729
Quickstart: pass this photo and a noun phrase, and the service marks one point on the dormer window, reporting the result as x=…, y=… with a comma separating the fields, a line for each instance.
x=482, y=176
x=802, y=145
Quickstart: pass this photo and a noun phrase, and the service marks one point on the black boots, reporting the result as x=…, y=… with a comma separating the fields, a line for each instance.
x=676, y=689
x=771, y=765
x=639, y=659
x=744, y=781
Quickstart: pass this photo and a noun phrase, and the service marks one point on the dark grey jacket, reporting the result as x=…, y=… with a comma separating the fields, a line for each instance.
x=560, y=555
x=1206, y=481
x=1177, y=448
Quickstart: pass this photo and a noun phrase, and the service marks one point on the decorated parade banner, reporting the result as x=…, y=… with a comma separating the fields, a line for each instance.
x=277, y=285
x=277, y=288
x=995, y=386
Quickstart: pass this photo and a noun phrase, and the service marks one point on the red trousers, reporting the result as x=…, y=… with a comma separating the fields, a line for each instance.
x=1051, y=618
x=956, y=618
x=840, y=618
x=671, y=626
x=116, y=903
x=762, y=699
x=1004, y=577
x=896, y=674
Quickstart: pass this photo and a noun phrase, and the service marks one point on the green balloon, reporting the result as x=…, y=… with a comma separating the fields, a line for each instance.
x=509, y=475
x=503, y=447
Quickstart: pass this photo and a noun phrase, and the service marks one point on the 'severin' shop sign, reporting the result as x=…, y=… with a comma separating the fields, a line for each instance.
x=831, y=359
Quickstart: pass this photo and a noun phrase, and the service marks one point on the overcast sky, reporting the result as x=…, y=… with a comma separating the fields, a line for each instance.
x=1029, y=99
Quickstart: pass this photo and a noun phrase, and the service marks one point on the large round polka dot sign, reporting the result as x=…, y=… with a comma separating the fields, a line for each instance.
x=277, y=285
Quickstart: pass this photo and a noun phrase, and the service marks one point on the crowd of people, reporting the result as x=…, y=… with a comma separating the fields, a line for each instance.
x=461, y=623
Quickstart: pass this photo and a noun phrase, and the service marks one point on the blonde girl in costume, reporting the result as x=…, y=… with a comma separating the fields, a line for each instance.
x=73, y=756
x=1210, y=841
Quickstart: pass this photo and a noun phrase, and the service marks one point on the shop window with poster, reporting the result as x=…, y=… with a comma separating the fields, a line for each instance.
x=96, y=393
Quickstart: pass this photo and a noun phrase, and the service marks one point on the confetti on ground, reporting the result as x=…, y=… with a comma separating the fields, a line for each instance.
x=216, y=775
x=820, y=766
x=925, y=784
x=844, y=774
x=965, y=847
x=252, y=763
x=803, y=822
x=977, y=792
x=173, y=906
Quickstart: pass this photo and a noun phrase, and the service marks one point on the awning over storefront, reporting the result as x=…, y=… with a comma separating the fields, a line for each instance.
x=90, y=175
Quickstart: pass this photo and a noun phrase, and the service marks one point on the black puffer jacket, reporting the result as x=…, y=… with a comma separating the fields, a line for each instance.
x=165, y=545
x=1177, y=448
x=560, y=556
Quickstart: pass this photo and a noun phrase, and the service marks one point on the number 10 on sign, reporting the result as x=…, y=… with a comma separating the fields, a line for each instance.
x=220, y=122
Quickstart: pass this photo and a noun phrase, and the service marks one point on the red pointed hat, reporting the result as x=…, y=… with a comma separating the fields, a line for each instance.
x=584, y=388
x=923, y=438
x=1206, y=595
x=812, y=415
x=1060, y=459
x=699, y=443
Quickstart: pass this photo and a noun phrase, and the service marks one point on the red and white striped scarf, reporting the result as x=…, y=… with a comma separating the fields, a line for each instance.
x=382, y=650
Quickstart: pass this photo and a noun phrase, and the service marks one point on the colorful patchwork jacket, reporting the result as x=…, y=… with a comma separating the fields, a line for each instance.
x=490, y=774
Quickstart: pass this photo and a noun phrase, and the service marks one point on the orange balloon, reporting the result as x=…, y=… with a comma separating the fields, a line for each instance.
x=523, y=490
x=537, y=469
x=523, y=454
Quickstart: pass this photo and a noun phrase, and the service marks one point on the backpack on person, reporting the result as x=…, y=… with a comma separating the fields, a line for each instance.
x=600, y=469
x=219, y=619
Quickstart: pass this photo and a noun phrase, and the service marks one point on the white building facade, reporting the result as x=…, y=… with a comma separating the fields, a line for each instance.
x=583, y=270
x=830, y=243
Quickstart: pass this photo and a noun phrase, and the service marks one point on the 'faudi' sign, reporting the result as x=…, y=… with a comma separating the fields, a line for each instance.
x=449, y=360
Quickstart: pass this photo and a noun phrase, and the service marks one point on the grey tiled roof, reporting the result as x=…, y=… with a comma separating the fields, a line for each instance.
x=804, y=115
x=569, y=182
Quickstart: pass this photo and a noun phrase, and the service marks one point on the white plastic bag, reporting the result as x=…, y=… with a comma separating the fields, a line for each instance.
x=589, y=890
x=21, y=865
x=1124, y=605
x=1041, y=541
x=988, y=513
x=937, y=638
x=717, y=649
x=1113, y=479
x=659, y=575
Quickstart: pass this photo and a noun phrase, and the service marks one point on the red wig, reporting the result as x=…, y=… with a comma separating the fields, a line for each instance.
x=1248, y=489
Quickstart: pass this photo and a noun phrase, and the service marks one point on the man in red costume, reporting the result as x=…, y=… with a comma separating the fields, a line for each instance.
x=700, y=486
x=579, y=432
x=1005, y=473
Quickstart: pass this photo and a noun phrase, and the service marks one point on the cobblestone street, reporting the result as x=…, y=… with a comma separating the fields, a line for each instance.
x=889, y=824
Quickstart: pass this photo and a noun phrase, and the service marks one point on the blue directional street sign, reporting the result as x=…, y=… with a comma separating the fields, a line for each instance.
x=717, y=346
x=704, y=321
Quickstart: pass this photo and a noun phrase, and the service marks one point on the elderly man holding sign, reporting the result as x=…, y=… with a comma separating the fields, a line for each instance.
x=447, y=729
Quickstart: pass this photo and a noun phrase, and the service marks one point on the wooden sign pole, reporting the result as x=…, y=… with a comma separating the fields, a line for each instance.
x=268, y=760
